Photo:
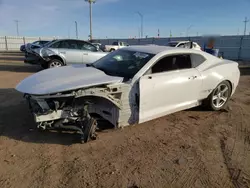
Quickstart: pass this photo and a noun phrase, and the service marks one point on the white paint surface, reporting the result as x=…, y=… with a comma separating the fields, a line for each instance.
x=64, y=79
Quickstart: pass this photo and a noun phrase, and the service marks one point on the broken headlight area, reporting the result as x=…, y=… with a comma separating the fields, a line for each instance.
x=61, y=113
x=46, y=53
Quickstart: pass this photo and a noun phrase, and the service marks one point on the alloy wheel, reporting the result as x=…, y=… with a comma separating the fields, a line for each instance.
x=55, y=64
x=220, y=95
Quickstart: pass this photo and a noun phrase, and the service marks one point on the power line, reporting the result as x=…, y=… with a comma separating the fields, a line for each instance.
x=245, y=22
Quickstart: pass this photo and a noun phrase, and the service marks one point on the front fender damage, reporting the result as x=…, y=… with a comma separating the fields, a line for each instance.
x=70, y=110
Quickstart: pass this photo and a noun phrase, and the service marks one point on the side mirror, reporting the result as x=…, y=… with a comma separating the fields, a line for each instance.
x=97, y=48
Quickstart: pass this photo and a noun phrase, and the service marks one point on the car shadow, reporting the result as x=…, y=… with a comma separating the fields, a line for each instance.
x=20, y=68
x=16, y=122
x=12, y=58
x=245, y=71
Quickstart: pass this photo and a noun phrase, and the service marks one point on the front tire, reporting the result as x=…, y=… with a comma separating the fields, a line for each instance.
x=218, y=99
x=112, y=50
x=55, y=63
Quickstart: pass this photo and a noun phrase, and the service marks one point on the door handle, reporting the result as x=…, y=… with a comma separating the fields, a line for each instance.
x=85, y=53
x=192, y=77
x=149, y=77
x=63, y=52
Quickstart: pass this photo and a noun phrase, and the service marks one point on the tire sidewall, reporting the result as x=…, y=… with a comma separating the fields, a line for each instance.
x=54, y=60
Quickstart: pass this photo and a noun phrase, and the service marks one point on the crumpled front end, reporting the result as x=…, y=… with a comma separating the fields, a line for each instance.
x=61, y=113
x=47, y=53
x=71, y=110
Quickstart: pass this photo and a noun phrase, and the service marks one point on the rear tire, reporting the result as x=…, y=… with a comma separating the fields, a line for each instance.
x=55, y=63
x=219, y=97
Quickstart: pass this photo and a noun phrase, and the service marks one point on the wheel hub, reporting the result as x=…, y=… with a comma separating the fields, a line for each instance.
x=55, y=64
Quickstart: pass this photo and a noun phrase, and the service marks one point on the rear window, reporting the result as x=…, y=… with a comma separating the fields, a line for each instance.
x=115, y=43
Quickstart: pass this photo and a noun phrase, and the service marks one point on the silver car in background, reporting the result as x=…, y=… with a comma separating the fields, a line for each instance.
x=68, y=51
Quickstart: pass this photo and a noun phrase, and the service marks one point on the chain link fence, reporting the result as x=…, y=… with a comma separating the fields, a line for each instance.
x=9, y=43
x=231, y=47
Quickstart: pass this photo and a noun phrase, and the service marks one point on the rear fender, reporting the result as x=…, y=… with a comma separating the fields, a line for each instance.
x=224, y=70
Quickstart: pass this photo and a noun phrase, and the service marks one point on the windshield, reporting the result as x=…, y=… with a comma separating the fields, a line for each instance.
x=42, y=42
x=123, y=63
x=36, y=42
x=49, y=43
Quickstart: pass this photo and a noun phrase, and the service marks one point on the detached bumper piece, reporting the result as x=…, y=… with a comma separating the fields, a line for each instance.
x=86, y=129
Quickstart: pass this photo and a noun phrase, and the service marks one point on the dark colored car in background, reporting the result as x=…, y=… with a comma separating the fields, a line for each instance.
x=30, y=56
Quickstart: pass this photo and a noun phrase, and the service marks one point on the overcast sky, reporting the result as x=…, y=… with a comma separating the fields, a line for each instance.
x=117, y=18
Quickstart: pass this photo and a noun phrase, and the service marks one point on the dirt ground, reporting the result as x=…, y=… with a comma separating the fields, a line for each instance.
x=192, y=148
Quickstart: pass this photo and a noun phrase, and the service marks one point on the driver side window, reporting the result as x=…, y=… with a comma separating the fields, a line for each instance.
x=171, y=63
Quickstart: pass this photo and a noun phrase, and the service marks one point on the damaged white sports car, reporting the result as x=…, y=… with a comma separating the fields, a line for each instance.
x=131, y=85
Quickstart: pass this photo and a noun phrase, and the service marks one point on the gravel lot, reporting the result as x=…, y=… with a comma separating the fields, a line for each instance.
x=191, y=148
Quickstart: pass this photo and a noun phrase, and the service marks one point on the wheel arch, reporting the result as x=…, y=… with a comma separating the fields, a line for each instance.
x=231, y=85
x=220, y=81
x=105, y=107
x=58, y=58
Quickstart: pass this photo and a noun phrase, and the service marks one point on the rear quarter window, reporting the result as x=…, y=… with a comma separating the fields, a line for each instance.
x=197, y=60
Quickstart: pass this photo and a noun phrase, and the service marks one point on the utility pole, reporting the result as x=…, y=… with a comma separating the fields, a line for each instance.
x=141, y=23
x=90, y=17
x=170, y=34
x=17, y=29
x=76, y=30
x=158, y=33
x=188, y=29
x=245, y=22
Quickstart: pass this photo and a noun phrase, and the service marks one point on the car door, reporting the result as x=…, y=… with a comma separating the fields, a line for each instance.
x=172, y=84
x=69, y=50
x=89, y=52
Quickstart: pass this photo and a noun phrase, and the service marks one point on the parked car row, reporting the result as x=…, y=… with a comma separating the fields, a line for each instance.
x=131, y=85
x=62, y=52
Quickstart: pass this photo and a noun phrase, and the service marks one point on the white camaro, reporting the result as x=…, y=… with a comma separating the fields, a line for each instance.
x=129, y=86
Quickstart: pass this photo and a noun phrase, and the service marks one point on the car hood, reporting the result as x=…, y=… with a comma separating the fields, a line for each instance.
x=30, y=48
x=62, y=79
